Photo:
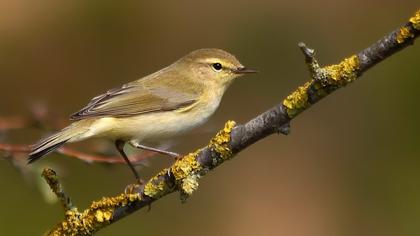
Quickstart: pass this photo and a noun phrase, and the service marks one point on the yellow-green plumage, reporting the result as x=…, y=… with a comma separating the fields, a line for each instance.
x=163, y=104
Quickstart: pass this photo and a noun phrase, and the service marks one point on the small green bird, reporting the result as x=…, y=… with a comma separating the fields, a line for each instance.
x=161, y=105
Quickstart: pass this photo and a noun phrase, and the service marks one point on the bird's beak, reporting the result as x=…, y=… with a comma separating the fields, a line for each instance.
x=244, y=70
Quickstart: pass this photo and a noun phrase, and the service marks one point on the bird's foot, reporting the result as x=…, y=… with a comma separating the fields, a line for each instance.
x=175, y=155
x=134, y=188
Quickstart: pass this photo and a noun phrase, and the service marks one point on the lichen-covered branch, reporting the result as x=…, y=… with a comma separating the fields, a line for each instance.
x=51, y=177
x=184, y=174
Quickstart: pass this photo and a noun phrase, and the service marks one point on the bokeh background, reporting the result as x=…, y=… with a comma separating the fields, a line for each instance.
x=349, y=167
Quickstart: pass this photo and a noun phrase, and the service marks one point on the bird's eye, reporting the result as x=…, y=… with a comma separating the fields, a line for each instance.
x=217, y=66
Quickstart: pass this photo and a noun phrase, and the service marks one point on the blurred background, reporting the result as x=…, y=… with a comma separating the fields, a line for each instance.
x=349, y=167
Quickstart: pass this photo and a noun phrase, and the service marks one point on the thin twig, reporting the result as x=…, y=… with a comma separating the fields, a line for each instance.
x=72, y=153
x=51, y=177
x=10, y=123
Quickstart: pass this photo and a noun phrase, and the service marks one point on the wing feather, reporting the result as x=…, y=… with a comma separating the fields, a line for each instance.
x=134, y=99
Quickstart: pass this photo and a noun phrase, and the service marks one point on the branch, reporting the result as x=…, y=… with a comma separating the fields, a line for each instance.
x=13, y=149
x=184, y=174
x=39, y=118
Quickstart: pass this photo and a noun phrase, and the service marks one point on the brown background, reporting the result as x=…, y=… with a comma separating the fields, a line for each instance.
x=349, y=167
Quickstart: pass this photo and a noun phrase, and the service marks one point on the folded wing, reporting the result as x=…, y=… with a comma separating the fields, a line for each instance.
x=135, y=99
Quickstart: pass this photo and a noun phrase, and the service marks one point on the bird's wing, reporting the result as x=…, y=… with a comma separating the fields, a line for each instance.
x=134, y=99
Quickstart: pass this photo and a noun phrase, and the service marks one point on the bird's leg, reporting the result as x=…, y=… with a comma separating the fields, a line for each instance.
x=119, y=144
x=138, y=145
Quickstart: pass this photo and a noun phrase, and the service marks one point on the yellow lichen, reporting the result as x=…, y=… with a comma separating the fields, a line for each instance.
x=404, y=34
x=297, y=101
x=51, y=177
x=112, y=202
x=102, y=216
x=345, y=72
x=190, y=184
x=220, y=142
x=186, y=170
x=185, y=166
x=336, y=75
x=415, y=20
x=95, y=217
x=155, y=187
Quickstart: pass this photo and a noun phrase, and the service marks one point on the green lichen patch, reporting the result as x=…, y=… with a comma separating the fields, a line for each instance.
x=404, y=34
x=189, y=185
x=415, y=20
x=186, y=172
x=220, y=142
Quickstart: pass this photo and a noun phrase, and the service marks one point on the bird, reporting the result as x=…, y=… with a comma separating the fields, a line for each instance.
x=161, y=105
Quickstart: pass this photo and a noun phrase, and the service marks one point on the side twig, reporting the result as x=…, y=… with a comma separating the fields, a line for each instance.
x=51, y=177
x=72, y=153
x=184, y=174
x=39, y=118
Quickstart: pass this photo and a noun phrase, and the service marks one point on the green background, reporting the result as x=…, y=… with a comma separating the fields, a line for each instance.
x=349, y=167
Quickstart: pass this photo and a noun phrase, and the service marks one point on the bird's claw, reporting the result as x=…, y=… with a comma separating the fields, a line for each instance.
x=134, y=188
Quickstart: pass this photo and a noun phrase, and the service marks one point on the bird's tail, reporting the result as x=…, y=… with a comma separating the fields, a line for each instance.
x=56, y=140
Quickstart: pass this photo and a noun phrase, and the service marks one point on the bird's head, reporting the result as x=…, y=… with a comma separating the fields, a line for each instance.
x=213, y=66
